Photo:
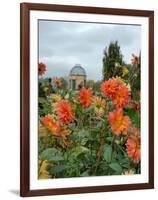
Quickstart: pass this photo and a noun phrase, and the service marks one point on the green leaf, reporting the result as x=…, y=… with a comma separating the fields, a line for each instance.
x=41, y=100
x=109, y=139
x=116, y=167
x=57, y=169
x=125, y=163
x=99, y=124
x=79, y=150
x=51, y=154
x=84, y=141
x=83, y=133
x=84, y=174
x=107, y=153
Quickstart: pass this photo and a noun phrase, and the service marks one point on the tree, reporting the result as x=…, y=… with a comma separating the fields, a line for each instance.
x=112, y=61
x=90, y=83
x=134, y=78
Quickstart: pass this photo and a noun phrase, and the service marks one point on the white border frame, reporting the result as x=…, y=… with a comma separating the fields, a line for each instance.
x=86, y=181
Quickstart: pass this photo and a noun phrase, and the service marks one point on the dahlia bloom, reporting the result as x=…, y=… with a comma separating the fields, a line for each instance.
x=99, y=102
x=117, y=90
x=55, y=127
x=133, y=145
x=41, y=69
x=109, y=88
x=64, y=131
x=57, y=82
x=64, y=111
x=52, y=125
x=119, y=122
x=99, y=105
x=86, y=97
x=121, y=97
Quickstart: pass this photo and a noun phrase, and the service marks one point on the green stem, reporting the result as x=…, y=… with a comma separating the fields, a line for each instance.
x=100, y=151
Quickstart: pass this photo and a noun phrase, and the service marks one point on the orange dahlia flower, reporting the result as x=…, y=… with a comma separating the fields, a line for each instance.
x=55, y=127
x=64, y=131
x=119, y=122
x=64, y=111
x=117, y=90
x=51, y=125
x=86, y=97
x=41, y=69
x=133, y=145
x=122, y=97
x=109, y=88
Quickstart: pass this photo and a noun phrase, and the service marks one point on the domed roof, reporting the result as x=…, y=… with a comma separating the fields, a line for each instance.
x=78, y=70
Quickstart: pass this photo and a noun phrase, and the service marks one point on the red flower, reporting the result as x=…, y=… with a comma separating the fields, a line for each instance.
x=41, y=69
x=117, y=90
x=64, y=111
x=119, y=122
x=133, y=145
x=86, y=97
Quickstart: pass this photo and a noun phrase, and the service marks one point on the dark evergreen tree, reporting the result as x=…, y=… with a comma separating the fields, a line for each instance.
x=112, y=61
x=134, y=78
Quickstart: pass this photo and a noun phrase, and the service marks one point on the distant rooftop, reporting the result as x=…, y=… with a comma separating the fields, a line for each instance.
x=78, y=70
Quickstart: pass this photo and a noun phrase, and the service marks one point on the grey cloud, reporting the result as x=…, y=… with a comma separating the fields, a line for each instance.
x=63, y=44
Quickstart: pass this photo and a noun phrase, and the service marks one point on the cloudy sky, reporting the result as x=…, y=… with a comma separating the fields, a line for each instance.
x=64, y=44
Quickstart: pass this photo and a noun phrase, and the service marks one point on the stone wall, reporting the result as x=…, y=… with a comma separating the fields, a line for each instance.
x=75, y=81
